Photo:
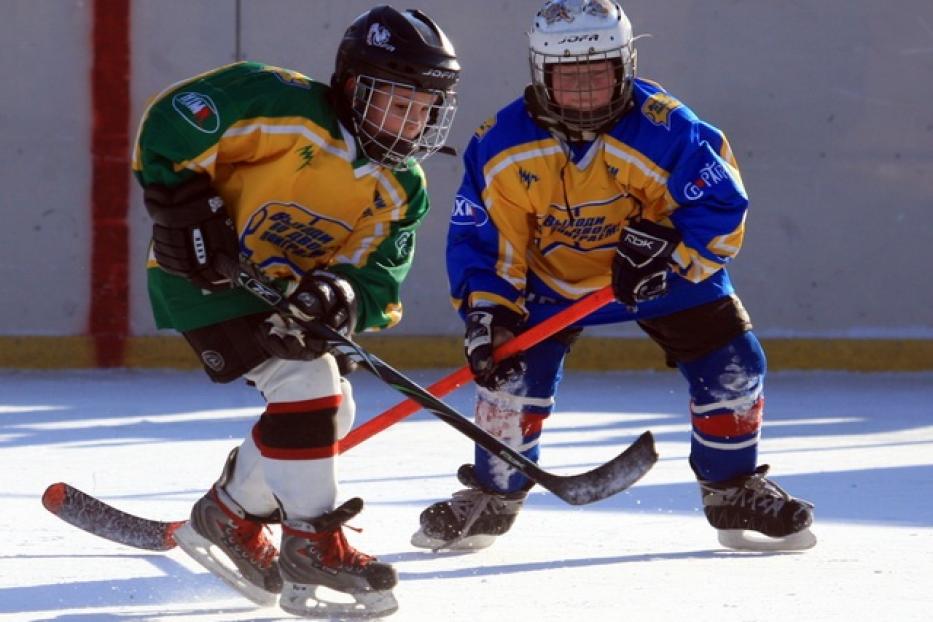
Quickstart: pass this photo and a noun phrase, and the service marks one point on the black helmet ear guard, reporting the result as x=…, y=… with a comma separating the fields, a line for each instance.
x=390, y=53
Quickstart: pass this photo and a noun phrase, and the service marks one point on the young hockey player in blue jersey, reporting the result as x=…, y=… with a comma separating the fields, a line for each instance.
x=594, y=177
x=321, y=188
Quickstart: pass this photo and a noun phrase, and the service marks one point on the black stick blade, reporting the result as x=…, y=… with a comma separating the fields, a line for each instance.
x=96, y=517
x=608, y=479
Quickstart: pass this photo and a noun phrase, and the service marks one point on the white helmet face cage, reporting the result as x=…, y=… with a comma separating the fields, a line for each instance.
x=384, y=111
x=577, y=36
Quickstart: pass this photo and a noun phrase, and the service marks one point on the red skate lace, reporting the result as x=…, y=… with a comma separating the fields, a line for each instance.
x=334, y=550
x=252, y=540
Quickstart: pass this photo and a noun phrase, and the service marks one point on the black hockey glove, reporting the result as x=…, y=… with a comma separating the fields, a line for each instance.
x=320, y=296
x=641, y=265
x=191, y=228
x=487, y=328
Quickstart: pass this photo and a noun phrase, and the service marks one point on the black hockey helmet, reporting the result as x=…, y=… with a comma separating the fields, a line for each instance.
x=385, y=49
x=403, y=46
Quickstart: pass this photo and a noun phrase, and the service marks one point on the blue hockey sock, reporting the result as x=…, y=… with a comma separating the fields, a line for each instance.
x=727, y=400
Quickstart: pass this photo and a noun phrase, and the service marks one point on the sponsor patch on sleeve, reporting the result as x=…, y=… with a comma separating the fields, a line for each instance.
x=198, y=110
x=467, y=213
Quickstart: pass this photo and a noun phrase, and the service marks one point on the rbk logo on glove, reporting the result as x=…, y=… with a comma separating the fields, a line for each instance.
x=640, y=267
x=640, y=247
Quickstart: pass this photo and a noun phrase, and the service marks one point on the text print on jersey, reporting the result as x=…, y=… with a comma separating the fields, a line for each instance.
x=711, y=174
x=467, y=213
x=290, y=230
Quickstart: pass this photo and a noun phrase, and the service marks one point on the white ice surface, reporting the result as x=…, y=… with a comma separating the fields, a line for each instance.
x=859, y=446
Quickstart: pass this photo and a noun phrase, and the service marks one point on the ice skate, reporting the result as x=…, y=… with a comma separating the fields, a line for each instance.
x=754, y=513
x=232, y=545
x=472, y=519
x=325, y=577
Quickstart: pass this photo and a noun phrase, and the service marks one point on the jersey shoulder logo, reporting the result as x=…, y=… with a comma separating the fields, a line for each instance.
x=198, y=110
x=290, y=77
x=658, y=109
x=484, y=127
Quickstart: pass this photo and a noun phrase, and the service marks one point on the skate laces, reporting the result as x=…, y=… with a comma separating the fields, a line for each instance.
x=333, y=549
x=469, y=504
x=251, y=540
x=757, y=492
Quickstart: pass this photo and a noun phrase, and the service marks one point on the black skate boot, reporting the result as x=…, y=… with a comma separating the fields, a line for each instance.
x=316, y=554
x=754, y=503
x=472, y=519
x=219, y=525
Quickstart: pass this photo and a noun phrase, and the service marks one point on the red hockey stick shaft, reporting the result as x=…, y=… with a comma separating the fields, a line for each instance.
x=531, y=337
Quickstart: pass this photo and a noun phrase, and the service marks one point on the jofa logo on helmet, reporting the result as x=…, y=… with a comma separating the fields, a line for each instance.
x=579, y=38
x=379, y=36
x=439, y=73
x=198, y=110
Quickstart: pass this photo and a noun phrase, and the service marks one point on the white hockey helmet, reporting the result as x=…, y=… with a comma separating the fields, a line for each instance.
x=578, y=32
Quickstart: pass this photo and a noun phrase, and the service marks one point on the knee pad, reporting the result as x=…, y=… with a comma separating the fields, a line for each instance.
x=696, y=332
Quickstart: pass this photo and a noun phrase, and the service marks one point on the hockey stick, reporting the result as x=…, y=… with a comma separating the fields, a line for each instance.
x=99, y=518
x=531, y=337
x=96, y=517
x=594, y=485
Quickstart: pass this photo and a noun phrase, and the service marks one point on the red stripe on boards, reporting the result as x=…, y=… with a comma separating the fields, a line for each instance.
x=110, y=178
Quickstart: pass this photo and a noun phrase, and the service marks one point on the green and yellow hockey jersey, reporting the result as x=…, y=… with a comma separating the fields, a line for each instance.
x=292, y=179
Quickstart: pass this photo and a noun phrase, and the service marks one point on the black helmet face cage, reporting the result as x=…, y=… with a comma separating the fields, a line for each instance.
x=383, y=110
x=591, y=109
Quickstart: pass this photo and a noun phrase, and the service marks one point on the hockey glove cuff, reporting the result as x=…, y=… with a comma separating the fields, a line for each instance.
x=487, y=328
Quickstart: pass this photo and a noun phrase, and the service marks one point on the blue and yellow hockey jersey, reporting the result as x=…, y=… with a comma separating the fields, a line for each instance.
x=535, y=217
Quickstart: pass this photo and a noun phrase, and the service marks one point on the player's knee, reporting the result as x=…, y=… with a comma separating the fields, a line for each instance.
x=696, y=332
x=346, y=412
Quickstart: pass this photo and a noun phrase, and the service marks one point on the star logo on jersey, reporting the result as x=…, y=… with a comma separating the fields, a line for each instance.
x=658, y=109
x=306, y=154
x=527, y=178
x=198, y=110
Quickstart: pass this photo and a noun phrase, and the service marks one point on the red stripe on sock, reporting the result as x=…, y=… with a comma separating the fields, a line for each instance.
x=110, y=179
x=730, y=424
x=321, y=403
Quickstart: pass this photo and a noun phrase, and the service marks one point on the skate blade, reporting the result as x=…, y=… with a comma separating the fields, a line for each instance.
x=317, y=601
x=203, y=551
x=470, y=543
x=745, y=540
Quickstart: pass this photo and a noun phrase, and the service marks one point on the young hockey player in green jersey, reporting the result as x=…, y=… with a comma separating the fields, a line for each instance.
x=321, y=188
